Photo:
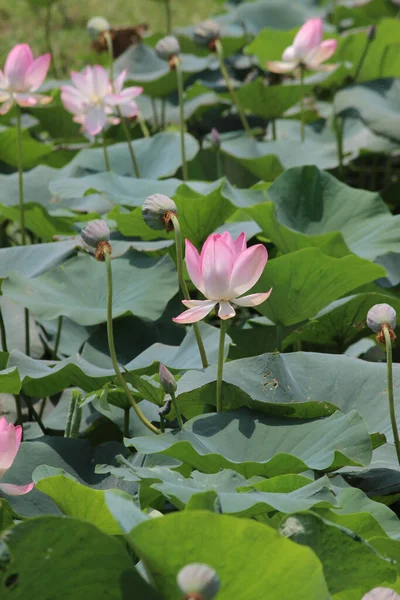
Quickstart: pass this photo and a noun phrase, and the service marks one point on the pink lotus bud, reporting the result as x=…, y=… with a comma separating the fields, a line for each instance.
x=167, y=380
x=198, y=581
x=215, y=138
x=10, y=440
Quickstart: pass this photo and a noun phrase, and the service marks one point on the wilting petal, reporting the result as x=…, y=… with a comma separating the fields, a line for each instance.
x=83, y=82
x=6, y=106
x=308, y=37
x=95, y=119
x=73, y=99
x=321, y=54
x=16, y=490
x=101, y=81
x=247, y=270
x=217, y=260
x=279, y=66
x=37, y=72
x=226, y=310
x=252, y=299
x=25, y=99
x=17, y=65
x=198, y=312
x=193, y=265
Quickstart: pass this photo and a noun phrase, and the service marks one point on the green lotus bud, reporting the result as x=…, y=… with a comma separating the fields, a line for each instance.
x=206, y=33
x=168, y=47
x=381, y=314
x=96, y=235
x=198, y=582
x=157, y=211
x=381, y=593
x=167, y=380
x=96, y=26
x=215, y=138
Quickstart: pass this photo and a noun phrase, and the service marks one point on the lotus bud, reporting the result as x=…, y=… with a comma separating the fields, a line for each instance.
x=168, y=47
x=379, y=315
x=215, y=138
x=166, y=409
x=381, y=593
x=207, y=33
x=371, y=34
x=198, y=582
x=96, y=26
x=96, y=235
x=167, y=380
x=157, y=212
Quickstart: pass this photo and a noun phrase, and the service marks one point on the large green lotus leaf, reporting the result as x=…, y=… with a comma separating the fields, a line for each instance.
x=36, y=259
x=301, y=385
x=39, y=221
x=32, y=150
x=77, y=500
x=205, y=537
x=36, y=187
x=270, y=43
x=309, y=204
x=306, y=281
x=368, y=13
x=54, y=557
x=382, y=477
x=343, y=321
x=157, y=156
x=348, y=561
x=253, y=444
x=145, y=69
x=136, y=280
x=376, y=103
x=180, y=491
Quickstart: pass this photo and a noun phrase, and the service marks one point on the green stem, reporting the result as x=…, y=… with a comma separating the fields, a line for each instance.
x=220, y=170
x=70, y=414
x=183, y=286
x=27, y=332
x=229, y=84
x=3, y=333
x=143, y=126
x=168, y=15
x=339, y=129
x=35, y=414
x=76, y=417
x=178, y=412
x=110, y=56
x=362, y=59
x=162, y=424
x=155, y=114
x=220, y=371
x=279, y=338
x=302, y=126
x=113, y=354
x=20, y=176
x=106, y=158
x=126, y=421
x=130, y=145
x=19, y=408
x=163, y=112
x=58, y=336
x=388, y=343
x=274, y=129
x=182, y=117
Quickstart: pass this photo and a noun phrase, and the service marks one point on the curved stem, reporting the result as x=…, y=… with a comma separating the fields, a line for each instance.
x=58, y=336
x=27, y=333
x=224, y=71
x=302, y=129
x=34, y=413
x=113, y=354
x=20, y=176
x=388, y=343
x=362, y=59
x=182, y=117
x=106, y=158
x=220, y=371
x=183, y=286
x=126, y=421
x=178, y=412
x=3, y=333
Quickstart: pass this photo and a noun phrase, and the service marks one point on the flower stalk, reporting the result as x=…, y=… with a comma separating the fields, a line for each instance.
x=388, y=344
x=106, y=157
x=3, y=333
x=242, y=115
x=179, y=80
x=221, y=357
x=58, y=336
x=177, y=411
x=20, y=177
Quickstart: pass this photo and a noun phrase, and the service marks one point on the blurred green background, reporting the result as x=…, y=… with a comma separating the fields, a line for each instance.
x=25, y=21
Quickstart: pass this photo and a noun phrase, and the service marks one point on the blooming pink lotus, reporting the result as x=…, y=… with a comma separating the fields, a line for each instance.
x=93, y=98
x=10, y=439
x=22, y=76
x=223, y=271
x=308, y=50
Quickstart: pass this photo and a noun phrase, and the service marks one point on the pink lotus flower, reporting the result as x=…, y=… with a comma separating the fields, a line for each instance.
x=10, y=439
x=223, y=271
x=93, y=98
x=308, y=50
x=22, y=76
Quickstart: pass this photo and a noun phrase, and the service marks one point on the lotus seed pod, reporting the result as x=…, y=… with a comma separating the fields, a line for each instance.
x=198, y=582
x=167, y=380
x=157, y=211
x=381, y=593
x=96, y=26
x=207, y=32
x=379, y=315
x=95, y=232
x=168, y=47
x=215, y=138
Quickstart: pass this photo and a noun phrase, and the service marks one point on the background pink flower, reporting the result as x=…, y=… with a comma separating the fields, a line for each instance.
x=22, y=76
x=10, y=439
x=223, y=271
x=308, y=50
x=93, y=98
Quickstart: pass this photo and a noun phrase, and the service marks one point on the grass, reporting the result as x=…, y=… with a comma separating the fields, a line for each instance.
x=20, y=22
